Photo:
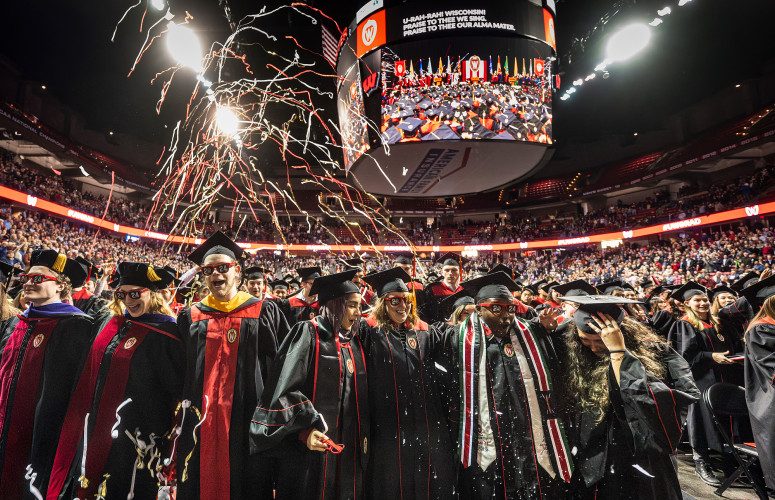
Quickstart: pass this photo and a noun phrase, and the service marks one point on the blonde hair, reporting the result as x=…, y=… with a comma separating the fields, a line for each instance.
x=457, y=315
x=694, y=320
x=380, y=312
x=7, y=310
x=157, y=305
x=767, y=311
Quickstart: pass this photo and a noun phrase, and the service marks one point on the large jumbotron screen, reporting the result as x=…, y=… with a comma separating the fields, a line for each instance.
x=437, y=100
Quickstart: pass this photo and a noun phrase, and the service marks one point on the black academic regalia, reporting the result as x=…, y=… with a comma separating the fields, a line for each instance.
x=733, y=320
x=641, y=427
x=318, y=381
x=697, y=347
x=509, y=420
x=429, y=308
x=233, y=380
x=6, y=328
x=39, y=365
x=662, y=321
x=298, y=310
x=139, y=359
x=760, y=394
x=93, y=305
x=409, y=425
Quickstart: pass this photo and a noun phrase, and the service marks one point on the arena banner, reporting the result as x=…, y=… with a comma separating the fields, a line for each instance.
x=667, y=227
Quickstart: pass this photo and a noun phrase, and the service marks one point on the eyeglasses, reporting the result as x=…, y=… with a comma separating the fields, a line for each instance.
x=396, y=301
x=35, y=279
x=221, y=268
x=133, y=294
x=499, y=308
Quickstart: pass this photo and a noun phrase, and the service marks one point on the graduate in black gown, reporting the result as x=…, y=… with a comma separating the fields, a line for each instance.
x=125, y=396
x=409, y=423
x=452, y=273
x=317, y=398
x=626, y=390
x=302, y=305
x=230, y=340
x=760, y=374
x=511, y=442
x=661, y=316
x=707, y=351
x=83, y=299
x=8, y=313
x=39, y=364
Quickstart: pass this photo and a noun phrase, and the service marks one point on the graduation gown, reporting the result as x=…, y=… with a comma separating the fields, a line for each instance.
x=300, y=310
x=515, y=472
x=318, y=382
x=228, y=357
x=409, y=425
x=429, y=308
x=134, y=371
x=627, y=454
x=39, y=364
x=697, y=347
x=733, y=319
x=760, y=393
x=90, y=304
x=6, y=328
x=662, y=321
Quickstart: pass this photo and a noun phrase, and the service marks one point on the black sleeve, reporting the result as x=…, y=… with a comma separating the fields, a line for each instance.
x=273, y=320
x=285, y=408
x=686, y=340
x=653, y=407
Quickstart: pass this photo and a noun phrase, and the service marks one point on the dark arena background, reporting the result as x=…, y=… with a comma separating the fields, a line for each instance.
x=284, y=249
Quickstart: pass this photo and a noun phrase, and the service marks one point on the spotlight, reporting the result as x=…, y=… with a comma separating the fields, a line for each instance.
x=589, y=77
x=628, y=41
x=184, y=46
x=571, y=90
x=681, y=3
x=635, y=134
x=158, y=4
x=737, y=85
x=600, y=67
x=664, y=12
x=43, y=87
x=110, y=133
x=578, y=82
x=656, y=22
x=226, y=121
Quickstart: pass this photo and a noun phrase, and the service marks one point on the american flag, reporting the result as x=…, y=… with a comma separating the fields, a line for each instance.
x=330, y=46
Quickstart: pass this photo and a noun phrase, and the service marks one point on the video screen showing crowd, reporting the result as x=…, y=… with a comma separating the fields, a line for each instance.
x=474, y=98
x=233, y=381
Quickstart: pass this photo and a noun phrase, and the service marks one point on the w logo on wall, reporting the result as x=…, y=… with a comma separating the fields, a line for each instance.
x=370, y=83
x=751, y=211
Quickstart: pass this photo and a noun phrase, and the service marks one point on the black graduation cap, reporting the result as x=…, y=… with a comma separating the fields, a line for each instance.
x=627, y=286
x=591, y=305
x=575, y=288
x=431, y=112
x=746, y=281
x=404, y=258
x=391, y=135
x=534, y=287
x=385, y=282
x=759, y=291
x=504, y=136
x=7, y=272
x=443, y=133
x=610, y=287
x=59, y=263
x=449, y=304
x=410, y=125
x=446, y=111
x=144, y=275
x=658, y=290
x=254, y=273
x=356, y=263
x=720, y=289
x=451, y=259
x=92, y=271
x=172, y=271
x=506, y=118
x=333, y=286
x=424, y=104
x=491, y=286
x=689, y=290
x=547, y=287
x=288, y=278
x=309, y=273
x=278, y=285
x=294, y=283
x=219, y=244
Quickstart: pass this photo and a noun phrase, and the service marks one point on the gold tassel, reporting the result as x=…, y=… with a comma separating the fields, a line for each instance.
x=59, y=263
x=151, y=274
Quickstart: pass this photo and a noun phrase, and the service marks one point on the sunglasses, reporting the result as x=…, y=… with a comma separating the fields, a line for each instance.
x=35, y=279
x=132, y=294
x=396, y=301
x=499, y=308
x=221, y=268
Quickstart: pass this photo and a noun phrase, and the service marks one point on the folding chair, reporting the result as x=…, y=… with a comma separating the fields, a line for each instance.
x=728, y=400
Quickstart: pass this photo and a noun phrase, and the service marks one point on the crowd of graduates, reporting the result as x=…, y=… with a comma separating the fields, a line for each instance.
x=398, y=377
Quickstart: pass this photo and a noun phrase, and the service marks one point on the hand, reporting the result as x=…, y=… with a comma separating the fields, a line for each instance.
x=609, y=331
x=721, y=358
x=315, y=441
x=548, y=318
x=765, y=274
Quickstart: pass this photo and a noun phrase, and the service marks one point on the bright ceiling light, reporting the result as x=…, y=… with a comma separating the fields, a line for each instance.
x=628, y=41
x=656, y=22
x=601, y=66
x=664, y=12
x=578, y=82
x=571, y=90
x=226, y=121
x=681, y=3
x=184, y=46
x=589, y=77
x=158, y=4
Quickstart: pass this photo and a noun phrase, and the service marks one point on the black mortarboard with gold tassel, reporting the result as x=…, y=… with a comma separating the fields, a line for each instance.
x=144, y=275
x=59, y=263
